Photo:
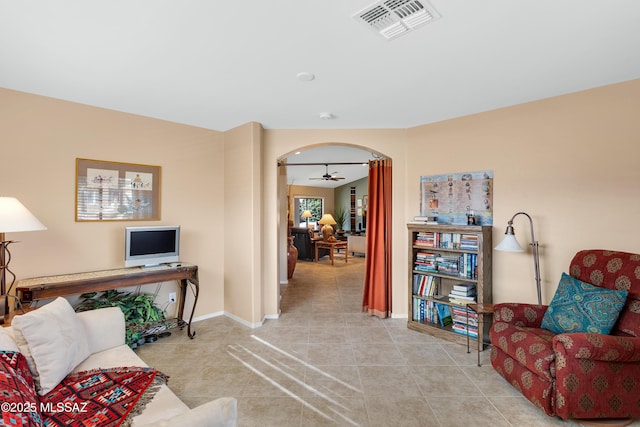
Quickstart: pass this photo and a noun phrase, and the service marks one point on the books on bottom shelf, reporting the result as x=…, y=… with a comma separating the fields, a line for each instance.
x=465, y=321
x=461, y=328
x=431, y=312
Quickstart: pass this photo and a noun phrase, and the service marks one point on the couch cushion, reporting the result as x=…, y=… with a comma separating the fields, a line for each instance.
x=53, y=340
x=6, y=342
x=221, y=412
x=531, y=347
x=18, y=391
x=613, y=270
x=581, y=307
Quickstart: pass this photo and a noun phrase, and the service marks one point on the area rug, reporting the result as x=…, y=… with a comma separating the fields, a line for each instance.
x=101, y=397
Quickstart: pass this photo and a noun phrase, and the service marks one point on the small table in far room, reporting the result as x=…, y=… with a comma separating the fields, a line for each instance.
x=333, y=246
x=481, y=310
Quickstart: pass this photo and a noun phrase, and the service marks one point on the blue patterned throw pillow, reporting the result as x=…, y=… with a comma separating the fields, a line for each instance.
x=581, y=307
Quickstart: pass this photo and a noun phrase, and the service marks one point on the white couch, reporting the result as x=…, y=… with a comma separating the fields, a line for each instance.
x=105, y=343
x=357, y=244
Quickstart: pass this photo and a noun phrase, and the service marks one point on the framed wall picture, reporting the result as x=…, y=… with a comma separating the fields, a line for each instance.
x=114, y=191
x=453, y=197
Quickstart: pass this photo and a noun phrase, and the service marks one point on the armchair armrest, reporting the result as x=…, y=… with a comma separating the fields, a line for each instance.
x=519, y=314
x=606, y=348
x=104, y=328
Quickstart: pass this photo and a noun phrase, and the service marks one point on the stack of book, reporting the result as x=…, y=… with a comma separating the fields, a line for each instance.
x=460, y=325
x=463, y=293
x=421, y=219
x=425, y=261
x=427, y=239
x=469, y=242
x=448, y=264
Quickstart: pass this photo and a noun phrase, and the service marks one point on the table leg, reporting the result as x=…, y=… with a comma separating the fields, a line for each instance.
x=346, y=255
x=193, y=280
x=316, y=246
x=467, y=312
x=331, y=250
x=480, y=336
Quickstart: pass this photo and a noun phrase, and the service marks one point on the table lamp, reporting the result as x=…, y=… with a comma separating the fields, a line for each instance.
x=510, y=244
x=306, y=215
x=327, y=221
x=14, y=217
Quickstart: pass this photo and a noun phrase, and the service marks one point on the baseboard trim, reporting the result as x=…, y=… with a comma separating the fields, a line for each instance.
x=244, y=322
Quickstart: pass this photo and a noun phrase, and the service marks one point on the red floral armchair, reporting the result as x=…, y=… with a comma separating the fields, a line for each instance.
x=576, y=375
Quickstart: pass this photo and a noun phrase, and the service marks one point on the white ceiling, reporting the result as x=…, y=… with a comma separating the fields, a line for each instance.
x=300, y=175
x=219, y=64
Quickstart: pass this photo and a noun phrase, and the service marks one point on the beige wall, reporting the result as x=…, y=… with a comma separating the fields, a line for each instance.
x=40, y=138
x=242, y=225
x=570, y=161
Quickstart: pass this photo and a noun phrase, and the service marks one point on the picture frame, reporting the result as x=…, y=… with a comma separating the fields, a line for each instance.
x=454, y=197
x=116, y=191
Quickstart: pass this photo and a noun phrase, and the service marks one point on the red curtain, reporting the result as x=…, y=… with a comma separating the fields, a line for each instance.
x=377, y=281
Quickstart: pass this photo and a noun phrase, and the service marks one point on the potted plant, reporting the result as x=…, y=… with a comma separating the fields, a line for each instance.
x=340, y=215
x=140, y=311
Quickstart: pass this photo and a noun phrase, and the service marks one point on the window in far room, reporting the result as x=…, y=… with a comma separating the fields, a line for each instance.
x=313, y=204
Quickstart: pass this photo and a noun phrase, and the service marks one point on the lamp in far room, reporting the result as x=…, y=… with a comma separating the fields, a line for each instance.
x=327, y=221
x=14, y=217
x=306, y=215
x=510, y=244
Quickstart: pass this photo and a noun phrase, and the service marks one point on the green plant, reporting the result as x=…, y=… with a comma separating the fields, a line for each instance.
x=139, y=310
x=340, y=216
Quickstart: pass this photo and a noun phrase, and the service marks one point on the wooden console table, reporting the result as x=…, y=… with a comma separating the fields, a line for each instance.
x=333, y=246
x=38, y=288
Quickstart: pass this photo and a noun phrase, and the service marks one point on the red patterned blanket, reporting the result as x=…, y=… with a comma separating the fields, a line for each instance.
x=103, y=397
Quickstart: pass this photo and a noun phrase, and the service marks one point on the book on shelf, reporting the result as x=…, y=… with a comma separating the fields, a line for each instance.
x=424, y=285
x=465, y=330
x=422, y=219
x=456, y=299
x=464, y=287
x=469, y=293
x=427, y=239
x=444, y=314
x=462, y=318
x=425, y=311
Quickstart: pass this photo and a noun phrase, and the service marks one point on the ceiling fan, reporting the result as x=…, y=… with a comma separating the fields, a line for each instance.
x=327, y=176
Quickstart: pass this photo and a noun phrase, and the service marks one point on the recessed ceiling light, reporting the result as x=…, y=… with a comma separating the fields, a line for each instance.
x=298, y=152
x=305, y=76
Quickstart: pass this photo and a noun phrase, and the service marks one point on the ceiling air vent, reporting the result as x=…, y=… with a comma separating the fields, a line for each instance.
x=393, y=18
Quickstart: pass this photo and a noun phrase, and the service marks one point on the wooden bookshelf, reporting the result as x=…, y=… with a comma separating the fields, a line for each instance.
x=441, y=257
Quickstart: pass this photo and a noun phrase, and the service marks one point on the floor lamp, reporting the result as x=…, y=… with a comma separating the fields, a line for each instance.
x=510, y=244
x=14, y=217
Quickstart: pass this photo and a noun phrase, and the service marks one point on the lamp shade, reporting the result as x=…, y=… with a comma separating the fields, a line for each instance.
x=327, y=219
x=509, y=244
x=306, y=214
x=15, y=217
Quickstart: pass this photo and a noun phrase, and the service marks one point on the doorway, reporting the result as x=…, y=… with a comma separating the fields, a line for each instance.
x=326, y=173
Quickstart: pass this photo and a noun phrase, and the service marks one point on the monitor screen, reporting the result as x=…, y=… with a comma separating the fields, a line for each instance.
x=151, y=245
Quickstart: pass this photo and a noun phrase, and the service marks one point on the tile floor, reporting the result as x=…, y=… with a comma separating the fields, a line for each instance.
x=323, y=362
